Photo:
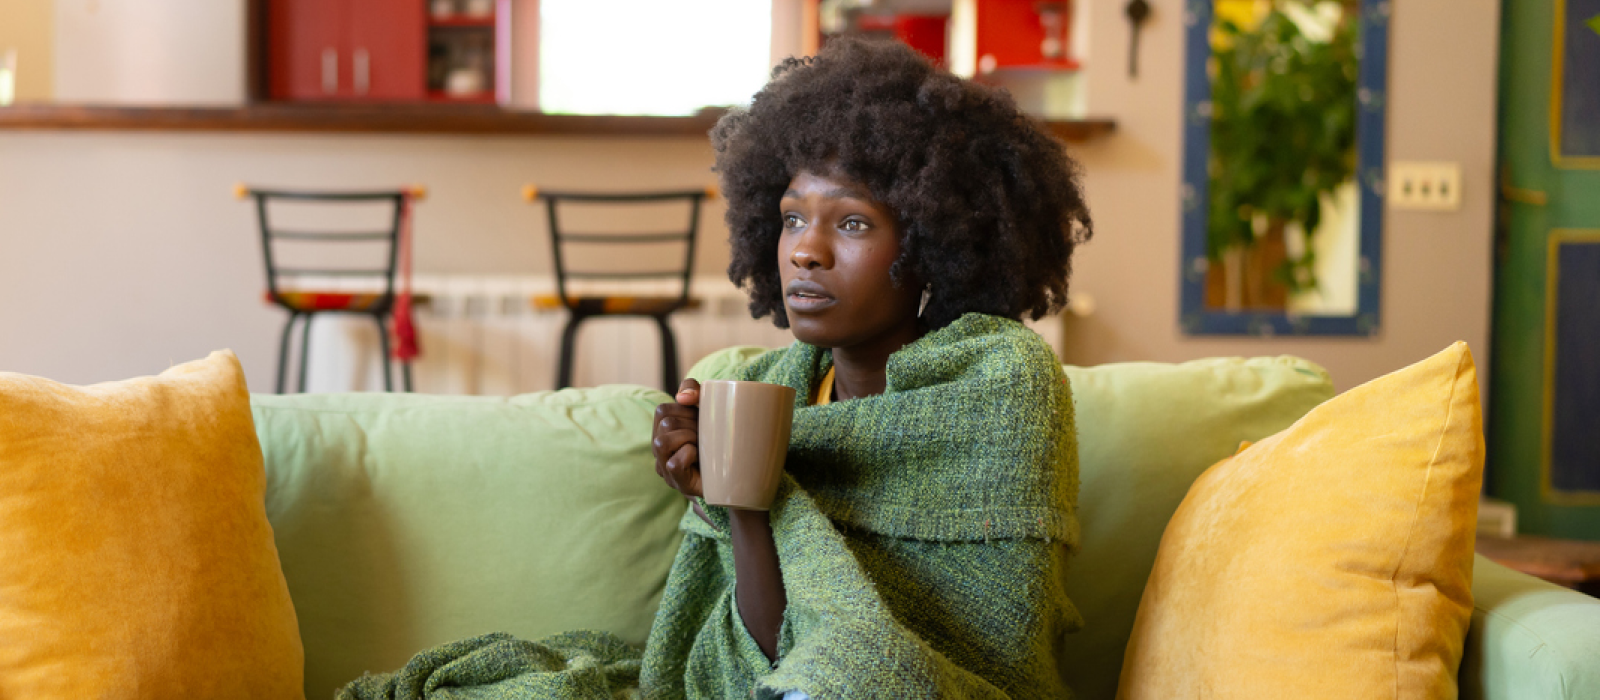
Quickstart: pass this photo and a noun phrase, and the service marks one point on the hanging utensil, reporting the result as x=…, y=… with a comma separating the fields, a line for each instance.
x=1137, y=11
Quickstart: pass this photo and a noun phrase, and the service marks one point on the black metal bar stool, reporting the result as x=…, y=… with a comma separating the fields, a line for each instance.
x=582, y=307
x=286, y=285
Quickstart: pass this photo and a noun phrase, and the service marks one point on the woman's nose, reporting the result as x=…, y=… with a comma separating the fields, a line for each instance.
x=809, y=253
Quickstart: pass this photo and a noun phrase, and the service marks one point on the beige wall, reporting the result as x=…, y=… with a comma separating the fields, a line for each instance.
x=26, y=25
x=123, y=252
x=1436, y=277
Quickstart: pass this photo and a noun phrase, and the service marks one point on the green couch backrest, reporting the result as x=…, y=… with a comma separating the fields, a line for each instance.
x=407, y=521
x=1145, y=432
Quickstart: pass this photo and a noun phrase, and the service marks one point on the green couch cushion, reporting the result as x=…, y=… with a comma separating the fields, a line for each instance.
x=1145, y=432
x=722, y=364
x=1529, y=639
x=407, y=521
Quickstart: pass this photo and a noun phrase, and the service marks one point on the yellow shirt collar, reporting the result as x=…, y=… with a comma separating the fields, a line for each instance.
x=824, y=394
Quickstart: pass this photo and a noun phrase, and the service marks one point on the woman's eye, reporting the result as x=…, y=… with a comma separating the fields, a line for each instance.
x=855, y=225
x=792, y=221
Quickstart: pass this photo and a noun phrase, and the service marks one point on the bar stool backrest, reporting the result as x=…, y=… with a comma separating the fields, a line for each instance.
x=563, y=241
x=283, y=279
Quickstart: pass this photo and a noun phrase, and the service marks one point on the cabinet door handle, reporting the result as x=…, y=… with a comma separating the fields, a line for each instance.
x=330, y=71
x=361, y=65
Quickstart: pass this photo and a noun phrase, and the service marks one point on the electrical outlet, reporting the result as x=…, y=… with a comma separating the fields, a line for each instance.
x=1425, y=185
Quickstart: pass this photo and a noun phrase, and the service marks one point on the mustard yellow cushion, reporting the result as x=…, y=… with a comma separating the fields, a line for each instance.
x=1331, y=560
x=135, y=556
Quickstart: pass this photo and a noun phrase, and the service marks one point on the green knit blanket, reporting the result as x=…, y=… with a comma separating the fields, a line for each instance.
x=922, y=534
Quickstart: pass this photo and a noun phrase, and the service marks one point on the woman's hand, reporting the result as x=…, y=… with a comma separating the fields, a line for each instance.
x=758, y=589
x=675, y=440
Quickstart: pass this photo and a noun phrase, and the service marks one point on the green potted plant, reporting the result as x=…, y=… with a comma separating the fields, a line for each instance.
x=1283, y=111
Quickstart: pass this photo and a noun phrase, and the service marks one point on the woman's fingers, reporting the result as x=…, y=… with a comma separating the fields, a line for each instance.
x=668, y=443
x=688, y=393
x=670, y=417
x=672, y=423
x=683, y=470
x=669, y=472
x=673, y=410
x=673, y=437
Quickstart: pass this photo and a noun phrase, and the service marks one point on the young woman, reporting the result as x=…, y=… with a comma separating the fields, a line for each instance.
x=899, y=221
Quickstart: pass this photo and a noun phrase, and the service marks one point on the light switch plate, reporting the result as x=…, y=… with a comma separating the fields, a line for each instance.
x=1432, y=186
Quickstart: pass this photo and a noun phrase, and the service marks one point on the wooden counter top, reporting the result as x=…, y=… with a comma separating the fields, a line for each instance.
x=395, y=119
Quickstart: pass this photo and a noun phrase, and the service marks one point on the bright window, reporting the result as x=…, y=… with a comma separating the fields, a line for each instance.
x=651, y=57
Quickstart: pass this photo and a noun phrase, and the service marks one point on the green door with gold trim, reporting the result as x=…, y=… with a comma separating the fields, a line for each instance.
x=1544, y=413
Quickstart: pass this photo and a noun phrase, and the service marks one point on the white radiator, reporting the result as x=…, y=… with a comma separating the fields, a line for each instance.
x=480, y=335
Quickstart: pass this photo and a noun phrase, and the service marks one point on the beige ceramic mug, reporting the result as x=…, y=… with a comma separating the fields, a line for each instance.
x=744, y=437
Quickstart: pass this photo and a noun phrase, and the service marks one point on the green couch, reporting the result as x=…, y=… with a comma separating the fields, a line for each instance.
x=404, y=521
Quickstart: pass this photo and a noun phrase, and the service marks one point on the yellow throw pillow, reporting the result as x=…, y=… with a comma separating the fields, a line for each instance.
x=1332, y=560
x=135, y=556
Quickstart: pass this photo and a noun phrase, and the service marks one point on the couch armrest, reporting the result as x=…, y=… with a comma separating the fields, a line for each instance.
x=1530, y=640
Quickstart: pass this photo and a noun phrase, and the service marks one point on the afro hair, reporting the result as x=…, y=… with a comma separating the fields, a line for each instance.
x=989, y=205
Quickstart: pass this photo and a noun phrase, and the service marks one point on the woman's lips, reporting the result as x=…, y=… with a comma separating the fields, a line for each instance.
x=806, y=301
x=804, y=296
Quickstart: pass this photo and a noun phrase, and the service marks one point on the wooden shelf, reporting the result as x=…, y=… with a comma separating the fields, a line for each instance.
x=1064, y=66
x=1079, y=130
x=462, y=21
x=406, y=118
x=484, y=97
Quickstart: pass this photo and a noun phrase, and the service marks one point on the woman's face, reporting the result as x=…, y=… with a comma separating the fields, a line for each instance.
x=834, y=257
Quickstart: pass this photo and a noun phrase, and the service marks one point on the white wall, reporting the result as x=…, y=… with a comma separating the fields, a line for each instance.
x=183, y=52
x=787, y=24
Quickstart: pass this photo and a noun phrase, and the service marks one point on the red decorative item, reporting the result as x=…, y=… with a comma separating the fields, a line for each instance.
x=406, y=347
x=925, y=33
x=1025, y=34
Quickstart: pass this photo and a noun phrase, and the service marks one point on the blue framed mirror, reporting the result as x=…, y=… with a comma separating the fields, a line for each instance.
x=1283, y=170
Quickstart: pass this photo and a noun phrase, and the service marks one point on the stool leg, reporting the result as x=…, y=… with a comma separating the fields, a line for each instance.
x=305, y=349
x=405, y=375
x=669, y=357
x=283, y=349
x=568, y=337
x=383, y=347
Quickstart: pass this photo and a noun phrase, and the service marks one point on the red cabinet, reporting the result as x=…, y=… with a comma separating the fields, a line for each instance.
x=1026, y=34
x=347, y=50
